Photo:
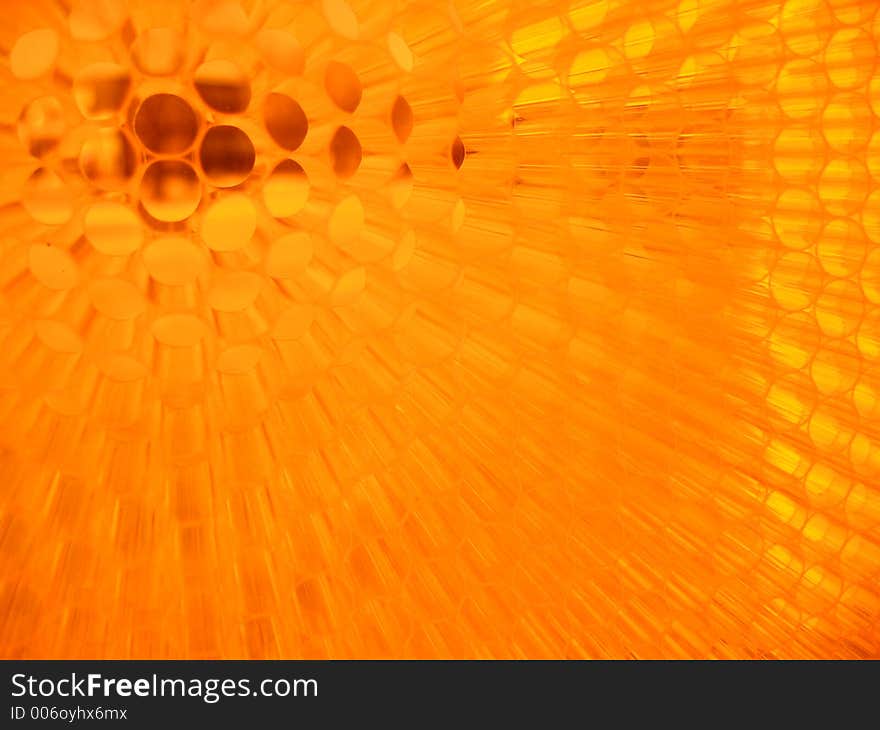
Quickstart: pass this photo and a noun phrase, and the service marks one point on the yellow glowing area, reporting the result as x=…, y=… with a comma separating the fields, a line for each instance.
x=363, y=329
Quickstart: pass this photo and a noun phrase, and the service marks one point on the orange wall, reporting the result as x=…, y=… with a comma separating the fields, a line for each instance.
x=374, y=328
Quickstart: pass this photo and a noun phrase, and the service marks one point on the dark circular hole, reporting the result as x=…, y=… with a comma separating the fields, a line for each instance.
x=227, y=155
x=223, y=86
x=457, y=153
x=166, y=124
x=343, y=86
x=345, y=152
x=285, y=121
x=401, y=119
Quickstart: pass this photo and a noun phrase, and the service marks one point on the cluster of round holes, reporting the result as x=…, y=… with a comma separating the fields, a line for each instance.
x=168, y=126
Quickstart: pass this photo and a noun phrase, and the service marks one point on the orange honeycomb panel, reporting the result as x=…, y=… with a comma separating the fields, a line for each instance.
x=390, y=328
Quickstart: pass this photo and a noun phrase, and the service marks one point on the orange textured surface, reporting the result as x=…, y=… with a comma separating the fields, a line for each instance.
x=375, y=328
